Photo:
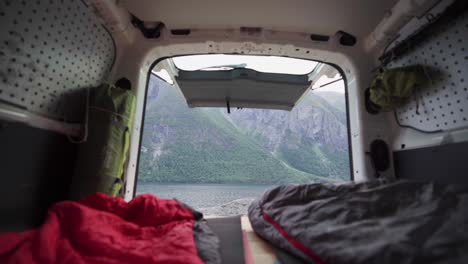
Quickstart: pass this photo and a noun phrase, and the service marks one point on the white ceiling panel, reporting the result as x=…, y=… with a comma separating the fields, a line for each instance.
x=357, y=17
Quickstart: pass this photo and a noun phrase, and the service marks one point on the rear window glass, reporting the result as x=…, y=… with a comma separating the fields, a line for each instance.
x=219, y=162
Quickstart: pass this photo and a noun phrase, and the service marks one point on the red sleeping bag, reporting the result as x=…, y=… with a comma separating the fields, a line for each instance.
x=103, y=229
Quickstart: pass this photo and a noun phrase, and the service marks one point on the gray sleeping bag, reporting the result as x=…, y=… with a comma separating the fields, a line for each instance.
x=374, y=222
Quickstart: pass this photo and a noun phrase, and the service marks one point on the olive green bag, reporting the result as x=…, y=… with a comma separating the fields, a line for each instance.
x=394, y=87
x=101, y=159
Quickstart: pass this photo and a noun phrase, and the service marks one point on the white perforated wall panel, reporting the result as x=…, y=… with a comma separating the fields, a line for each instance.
x=444, y=104
x=50, y=50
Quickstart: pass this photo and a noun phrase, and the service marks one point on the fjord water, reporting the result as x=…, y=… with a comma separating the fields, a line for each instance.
x=201, y=196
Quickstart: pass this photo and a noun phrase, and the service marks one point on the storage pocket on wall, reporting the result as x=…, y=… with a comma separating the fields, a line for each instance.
x=101, y=159
x=394, y=87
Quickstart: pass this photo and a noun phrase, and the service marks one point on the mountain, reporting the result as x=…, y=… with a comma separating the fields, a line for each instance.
x=337, y=100
x=207, y=145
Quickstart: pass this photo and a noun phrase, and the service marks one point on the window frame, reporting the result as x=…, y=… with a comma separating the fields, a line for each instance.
x=160, y=59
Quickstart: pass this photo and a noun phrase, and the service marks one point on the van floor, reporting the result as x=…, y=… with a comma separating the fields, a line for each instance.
x=229, y=232
x=239, y=243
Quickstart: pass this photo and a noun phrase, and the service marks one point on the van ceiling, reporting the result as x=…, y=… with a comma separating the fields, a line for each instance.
x=326, y=17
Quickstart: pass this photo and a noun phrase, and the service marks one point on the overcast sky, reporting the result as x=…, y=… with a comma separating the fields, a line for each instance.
x=259, y=63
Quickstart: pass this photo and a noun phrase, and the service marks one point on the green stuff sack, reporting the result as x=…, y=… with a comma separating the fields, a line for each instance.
x=392, y=88
x=101, y=159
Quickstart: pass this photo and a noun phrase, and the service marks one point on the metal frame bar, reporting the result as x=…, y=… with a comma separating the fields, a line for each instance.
x=16, y=114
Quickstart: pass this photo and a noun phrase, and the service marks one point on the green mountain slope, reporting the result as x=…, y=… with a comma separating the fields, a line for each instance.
x=208, y=146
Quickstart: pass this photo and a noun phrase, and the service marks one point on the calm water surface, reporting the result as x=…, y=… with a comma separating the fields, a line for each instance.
x=203, y=195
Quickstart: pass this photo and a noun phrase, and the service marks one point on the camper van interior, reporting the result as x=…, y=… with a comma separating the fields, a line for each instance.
x=212, y=131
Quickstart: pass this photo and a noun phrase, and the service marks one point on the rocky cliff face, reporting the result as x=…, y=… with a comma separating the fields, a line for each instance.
x=306, y=143
x=305, y=122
